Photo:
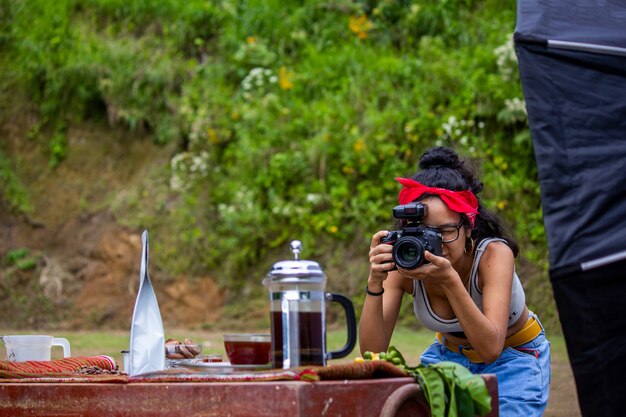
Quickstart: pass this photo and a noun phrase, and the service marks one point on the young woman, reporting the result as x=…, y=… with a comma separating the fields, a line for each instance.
x=470, y=295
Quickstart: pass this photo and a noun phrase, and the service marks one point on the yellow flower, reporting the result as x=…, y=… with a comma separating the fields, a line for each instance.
x=212, y=135
x=359, y=145
x=333, y=229
x=284, y=78
x=502, y=204
x=250, y=40
x=360, y=25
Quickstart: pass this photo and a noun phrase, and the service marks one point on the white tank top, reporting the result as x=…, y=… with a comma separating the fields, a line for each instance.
x=432, y=321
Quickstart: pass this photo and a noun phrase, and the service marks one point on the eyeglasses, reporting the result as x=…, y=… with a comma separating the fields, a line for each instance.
x=448, y=233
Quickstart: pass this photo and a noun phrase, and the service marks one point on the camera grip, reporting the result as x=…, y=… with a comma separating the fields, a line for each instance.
x=390, y=238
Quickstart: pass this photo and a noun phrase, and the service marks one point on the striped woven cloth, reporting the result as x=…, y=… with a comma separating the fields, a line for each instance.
x=65, y=370
x=59, y=369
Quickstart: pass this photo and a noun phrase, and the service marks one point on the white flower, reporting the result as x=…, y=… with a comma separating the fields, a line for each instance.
x=177, y=160
x=515, y=105
x=186, y=168
x=506, y=58
x=256, y=80
x=176, y=183
x=313, y=198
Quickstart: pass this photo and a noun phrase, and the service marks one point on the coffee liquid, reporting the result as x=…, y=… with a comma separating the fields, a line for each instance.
x=248, y=352
x=311, y=338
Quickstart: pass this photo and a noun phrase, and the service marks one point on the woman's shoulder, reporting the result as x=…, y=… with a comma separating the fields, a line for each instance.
x=497, y=250
x=497, y=261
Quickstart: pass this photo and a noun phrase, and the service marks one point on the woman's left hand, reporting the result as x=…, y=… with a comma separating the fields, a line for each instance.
x=439, y=270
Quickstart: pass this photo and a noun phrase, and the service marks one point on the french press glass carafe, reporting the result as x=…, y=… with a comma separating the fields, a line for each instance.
x=297, y=309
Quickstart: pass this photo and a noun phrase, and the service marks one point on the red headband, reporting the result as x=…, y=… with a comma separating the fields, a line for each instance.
x=464, y=202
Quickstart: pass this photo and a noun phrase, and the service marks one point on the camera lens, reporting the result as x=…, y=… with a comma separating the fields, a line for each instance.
x=408, y=252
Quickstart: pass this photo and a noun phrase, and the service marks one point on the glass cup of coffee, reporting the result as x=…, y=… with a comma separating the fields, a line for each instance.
x=248, y=349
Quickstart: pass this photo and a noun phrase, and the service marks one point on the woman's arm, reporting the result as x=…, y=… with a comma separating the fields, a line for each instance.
x=380, y=313
x=486, y=330
x=495, y=273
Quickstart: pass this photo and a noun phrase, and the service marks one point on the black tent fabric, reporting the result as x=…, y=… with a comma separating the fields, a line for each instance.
x=576, y=104
x=599, y=22
x=572, y=60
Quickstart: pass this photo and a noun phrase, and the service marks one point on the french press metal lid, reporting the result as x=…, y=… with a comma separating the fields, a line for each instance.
x=295, y=270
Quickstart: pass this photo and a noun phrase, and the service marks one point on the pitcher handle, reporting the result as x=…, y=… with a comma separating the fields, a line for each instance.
x=64, y=343
x=351, y=321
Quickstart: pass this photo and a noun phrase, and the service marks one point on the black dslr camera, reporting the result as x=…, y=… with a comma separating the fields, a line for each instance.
x=410, y=243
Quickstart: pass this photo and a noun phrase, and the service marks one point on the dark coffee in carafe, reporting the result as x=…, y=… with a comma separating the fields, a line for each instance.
x=310, y=338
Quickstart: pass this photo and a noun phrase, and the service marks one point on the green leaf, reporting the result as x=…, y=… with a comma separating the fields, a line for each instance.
x=434, y=390
x=473, y=384
x=464, y=402
x=447, y=375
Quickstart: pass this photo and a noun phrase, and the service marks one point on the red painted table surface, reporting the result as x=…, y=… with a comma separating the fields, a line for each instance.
x=360, y=398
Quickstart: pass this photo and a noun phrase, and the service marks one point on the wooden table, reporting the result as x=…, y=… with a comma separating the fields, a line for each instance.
x=355, y=398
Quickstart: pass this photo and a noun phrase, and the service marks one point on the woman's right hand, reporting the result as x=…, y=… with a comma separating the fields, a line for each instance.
x=381, y=260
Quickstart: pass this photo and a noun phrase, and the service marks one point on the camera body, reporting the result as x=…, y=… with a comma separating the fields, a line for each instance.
x=410, y=243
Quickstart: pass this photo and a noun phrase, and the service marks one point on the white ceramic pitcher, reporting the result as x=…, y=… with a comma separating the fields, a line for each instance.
x=21, y=348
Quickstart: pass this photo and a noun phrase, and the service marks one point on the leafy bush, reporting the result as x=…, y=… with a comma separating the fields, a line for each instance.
x=291, y=119
x=15, y=255
x=12, y=190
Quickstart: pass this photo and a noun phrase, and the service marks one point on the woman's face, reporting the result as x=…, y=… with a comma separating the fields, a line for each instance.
x=446, y=222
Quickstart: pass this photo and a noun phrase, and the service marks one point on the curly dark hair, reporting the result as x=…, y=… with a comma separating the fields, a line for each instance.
x=442, y=167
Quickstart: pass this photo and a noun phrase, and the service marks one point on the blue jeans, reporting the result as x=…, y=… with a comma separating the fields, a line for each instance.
x=523, y=374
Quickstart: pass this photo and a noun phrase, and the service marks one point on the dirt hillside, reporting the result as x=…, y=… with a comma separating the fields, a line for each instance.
x=86, y=264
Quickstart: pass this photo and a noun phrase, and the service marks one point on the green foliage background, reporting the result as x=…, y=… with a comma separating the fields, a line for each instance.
x=290, y=119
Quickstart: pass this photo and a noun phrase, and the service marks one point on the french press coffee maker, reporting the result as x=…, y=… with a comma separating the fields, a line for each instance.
x=297, y=309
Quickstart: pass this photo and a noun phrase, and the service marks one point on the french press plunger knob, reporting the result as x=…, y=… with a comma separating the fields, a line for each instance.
x=296, y=248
